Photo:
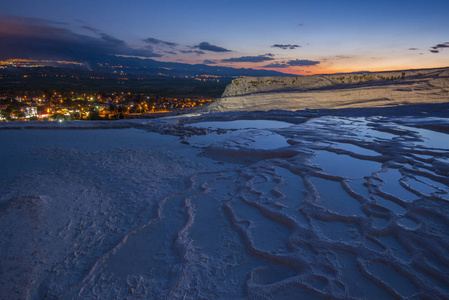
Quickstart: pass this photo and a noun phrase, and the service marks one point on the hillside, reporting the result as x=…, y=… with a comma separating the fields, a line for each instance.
x=335, y=91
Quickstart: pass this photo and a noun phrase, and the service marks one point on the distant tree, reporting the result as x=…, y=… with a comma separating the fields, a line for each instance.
x=57, y=117
x=94, y=115
x=6, y=113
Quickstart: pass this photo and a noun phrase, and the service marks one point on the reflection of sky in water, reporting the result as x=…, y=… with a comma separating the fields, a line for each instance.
x=407, y=223
x=254, y=139
x=344, y=165
x=432, y=183
x=242, y=124
x=268, y=140
x=396, y=208
x=420, y=186
x=334, y=197
x=354, y=149
x=432, y=139
x=392, y=186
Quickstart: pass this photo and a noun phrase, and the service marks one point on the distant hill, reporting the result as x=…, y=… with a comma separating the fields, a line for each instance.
x=153, y=67
x=106, y=73
x=140, y=66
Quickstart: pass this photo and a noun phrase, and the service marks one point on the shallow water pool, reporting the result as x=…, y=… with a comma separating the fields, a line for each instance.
x=242, y=124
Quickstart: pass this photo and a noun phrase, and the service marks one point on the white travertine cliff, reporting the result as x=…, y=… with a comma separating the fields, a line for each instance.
x=335, y=91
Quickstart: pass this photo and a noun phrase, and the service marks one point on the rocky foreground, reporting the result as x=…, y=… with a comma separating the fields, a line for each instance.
x=336, y=91
x=327, y=204
x=266, y=205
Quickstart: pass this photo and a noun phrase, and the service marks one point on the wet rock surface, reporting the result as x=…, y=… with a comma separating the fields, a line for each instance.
x=339, y=207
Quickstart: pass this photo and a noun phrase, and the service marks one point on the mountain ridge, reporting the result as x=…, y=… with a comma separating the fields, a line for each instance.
x=152, y=66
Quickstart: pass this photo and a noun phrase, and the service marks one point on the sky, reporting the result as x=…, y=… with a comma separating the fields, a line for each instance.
x=297, y=37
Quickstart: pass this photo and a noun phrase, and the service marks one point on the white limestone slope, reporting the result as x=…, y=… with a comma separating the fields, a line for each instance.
x=331, y=207
x=335, y=91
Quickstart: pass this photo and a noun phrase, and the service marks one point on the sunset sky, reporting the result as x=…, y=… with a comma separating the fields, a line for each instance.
x=298, y=37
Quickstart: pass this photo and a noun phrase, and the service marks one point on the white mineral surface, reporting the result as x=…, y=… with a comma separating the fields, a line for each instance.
x=378, y=89
x=274, y=205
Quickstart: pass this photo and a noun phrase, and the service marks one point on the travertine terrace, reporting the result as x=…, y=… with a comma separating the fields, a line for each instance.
x=335, y=91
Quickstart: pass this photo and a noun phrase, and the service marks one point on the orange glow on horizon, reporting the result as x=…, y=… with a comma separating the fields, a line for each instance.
x=348, y=69
x=358, y=63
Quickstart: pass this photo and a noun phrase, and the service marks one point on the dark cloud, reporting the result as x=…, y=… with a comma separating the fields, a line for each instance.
x=94, y=30
x=302, y=63
x=269, y=54
x=34, y=38
x=413, y=49
x=293, y=63
x=156, y=41
x=251, y=59
x=112, y=40
x=340, y=57
x=439, y=47
x=199, y=52
x=209, y=62
x=277, y=65
x=208, y=47
x=171, y=52
x=445, y=45
x=30, y=21
x=285, y=46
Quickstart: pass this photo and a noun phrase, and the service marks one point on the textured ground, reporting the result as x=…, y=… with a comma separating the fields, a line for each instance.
x=314, y=207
